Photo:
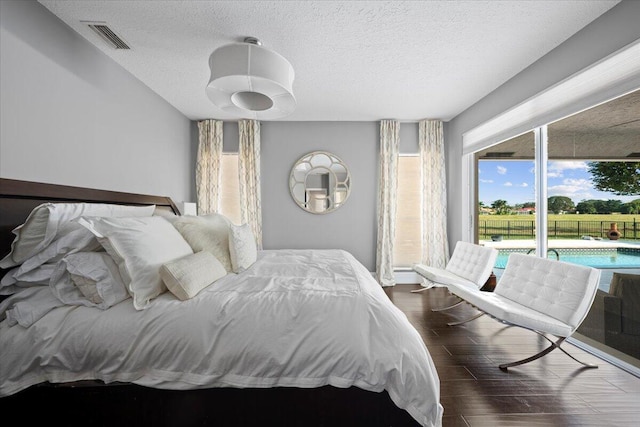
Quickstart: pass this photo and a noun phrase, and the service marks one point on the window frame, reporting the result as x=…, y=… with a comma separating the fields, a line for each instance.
x=612, y=77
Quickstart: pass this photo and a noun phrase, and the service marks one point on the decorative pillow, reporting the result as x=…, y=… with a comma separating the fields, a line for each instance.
x=242, y=247
x=139, y=246
x=49, y=220
x=207, y=233
x=91, y=279
x=186, y=277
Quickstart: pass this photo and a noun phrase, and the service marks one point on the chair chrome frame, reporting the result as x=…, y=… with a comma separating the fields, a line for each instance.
x=554, y=344
x=449, y=306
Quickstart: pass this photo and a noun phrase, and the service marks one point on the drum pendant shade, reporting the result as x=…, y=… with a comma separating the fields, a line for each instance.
x=251, y=81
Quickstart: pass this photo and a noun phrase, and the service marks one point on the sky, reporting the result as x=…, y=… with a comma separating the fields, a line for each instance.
x=514, y=181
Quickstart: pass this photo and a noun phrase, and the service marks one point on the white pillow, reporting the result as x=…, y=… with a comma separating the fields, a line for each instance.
x=207, y=233
x=186, y=277
x=48, y=220
x=39, y=276
x=139, y=246
x=242, y=247
x=91, y=279
x=80, y=240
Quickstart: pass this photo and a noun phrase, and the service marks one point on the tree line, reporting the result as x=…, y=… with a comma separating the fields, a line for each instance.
x=620, y=178
x=563, y=204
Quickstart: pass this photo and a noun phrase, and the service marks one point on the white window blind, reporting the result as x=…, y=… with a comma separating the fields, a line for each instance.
x=407, y=248
x=230, y=188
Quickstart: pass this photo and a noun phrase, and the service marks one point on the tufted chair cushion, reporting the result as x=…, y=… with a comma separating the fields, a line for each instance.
x=557, y=289
x=472, y=262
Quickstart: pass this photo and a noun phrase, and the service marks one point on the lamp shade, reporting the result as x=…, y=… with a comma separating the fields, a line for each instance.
x=251, y=82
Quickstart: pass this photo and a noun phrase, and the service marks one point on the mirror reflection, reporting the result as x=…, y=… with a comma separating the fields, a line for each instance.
x=319, y=182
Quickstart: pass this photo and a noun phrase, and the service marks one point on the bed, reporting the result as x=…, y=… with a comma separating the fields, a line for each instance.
x=293, y=337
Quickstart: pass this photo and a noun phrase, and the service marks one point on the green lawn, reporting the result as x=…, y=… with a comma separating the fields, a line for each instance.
x=567, y=217
x=559, y=226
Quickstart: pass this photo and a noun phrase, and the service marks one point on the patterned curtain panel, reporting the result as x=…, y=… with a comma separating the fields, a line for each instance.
x=249, y=174
x=435, y=246
x=208, y=170
x=387, y=200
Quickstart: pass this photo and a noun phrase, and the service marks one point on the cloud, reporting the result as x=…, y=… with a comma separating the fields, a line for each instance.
x=556, y=169
x=508, y=184
x=524, y=185
x=568, y=164
x=486, y=181
x=575, y=189
x=581, y=182
x=501, y=170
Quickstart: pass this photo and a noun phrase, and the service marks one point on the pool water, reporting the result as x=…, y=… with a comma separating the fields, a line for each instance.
x=598, y=258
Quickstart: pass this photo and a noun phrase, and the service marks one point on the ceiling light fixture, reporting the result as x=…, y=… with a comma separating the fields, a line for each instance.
x=251, y=81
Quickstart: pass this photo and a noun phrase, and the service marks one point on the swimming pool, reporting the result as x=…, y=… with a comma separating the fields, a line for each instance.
x=592, y=257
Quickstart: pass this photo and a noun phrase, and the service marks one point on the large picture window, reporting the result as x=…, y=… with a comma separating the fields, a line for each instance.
x=585, y=169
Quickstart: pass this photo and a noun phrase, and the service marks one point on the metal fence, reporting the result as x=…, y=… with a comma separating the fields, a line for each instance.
x=525, y=229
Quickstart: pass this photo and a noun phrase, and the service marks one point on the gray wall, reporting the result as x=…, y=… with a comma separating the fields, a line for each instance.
x=70, y=115
x=612, y=31
x=351, y=227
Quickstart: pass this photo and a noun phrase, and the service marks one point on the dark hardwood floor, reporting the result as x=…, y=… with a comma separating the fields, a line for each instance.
x=551, y=391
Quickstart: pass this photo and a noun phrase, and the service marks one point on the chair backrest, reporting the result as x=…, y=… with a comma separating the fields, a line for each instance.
x=472, y=262
x=559, y=289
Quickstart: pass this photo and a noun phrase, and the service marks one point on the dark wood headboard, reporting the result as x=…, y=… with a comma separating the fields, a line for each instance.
x=18, y=198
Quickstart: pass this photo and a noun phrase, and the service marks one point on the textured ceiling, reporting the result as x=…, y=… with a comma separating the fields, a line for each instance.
x=610, y=131
x=354, y=60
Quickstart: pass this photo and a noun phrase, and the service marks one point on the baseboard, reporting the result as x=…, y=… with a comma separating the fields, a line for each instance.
x=404, y=277
x=407, y=277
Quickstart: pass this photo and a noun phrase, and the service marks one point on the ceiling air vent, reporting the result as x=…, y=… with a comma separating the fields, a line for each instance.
x=108, y=35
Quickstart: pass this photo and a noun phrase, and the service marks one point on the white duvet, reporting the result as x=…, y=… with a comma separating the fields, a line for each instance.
x=296, y=318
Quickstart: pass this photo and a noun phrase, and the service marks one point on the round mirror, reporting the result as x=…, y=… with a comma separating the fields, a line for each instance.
x=319, y=182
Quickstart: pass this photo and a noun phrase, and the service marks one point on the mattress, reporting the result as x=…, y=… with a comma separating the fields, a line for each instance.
x=295, y=318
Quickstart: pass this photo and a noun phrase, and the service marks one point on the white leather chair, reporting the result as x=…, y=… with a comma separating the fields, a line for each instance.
x=542, y=295
x=470, y=266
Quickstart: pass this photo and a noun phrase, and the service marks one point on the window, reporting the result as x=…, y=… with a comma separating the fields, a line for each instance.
x=230, y=188
x=572, y=135
x=506, y=208
x=407, y=248
x=586, y=177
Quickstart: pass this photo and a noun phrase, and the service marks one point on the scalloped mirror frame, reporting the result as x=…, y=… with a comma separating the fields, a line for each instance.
x=320, y=182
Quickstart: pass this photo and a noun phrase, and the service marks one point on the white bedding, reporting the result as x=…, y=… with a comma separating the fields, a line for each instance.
x=295, y=318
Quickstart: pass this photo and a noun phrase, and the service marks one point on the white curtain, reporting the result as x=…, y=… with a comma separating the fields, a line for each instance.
x=435, y=246
x=208, y=170
x=249, y=174
x=387, y=200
